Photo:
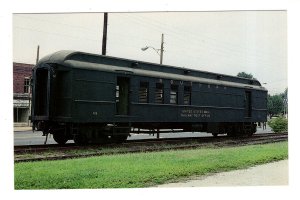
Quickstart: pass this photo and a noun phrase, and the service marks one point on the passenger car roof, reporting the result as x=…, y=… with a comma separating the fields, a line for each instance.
x=81, y=60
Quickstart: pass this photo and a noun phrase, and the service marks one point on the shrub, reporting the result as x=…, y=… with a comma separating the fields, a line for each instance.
x=279, y=124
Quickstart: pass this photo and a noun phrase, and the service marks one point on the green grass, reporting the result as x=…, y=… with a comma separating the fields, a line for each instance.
x=142, y=169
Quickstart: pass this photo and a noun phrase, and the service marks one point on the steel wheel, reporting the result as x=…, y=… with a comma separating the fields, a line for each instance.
x=119, y=138
x=80, y=140
x=60, y=137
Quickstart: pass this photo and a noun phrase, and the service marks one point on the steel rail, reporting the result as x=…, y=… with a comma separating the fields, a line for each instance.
x=134, y=146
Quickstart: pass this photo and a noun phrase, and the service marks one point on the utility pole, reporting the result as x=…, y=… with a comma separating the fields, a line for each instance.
x=160, y=51
x=104, y=39
x=30, y=85
x=162, y=48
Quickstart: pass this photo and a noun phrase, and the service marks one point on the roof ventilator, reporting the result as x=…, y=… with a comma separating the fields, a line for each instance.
x=187, y=71
x=135, y=64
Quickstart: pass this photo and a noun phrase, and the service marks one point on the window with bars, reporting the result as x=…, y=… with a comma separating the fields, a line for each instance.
x=159, y=93
x=27, y=85
x=174, y=94
x=117, y=93
x=144, y=92
x=187, y=95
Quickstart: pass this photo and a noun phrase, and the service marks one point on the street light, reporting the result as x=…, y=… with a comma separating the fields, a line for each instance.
x=147, y=47
x=160, y=51
x=144, y=48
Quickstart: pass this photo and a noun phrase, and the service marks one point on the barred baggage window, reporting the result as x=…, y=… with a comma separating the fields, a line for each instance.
x=174, y=94
x=187, y=95
x=144, y=92
x=117, y=93
x=159, y=93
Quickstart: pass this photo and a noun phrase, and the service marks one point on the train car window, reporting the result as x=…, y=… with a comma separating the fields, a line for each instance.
x=174, y=94
x=187, y=95
x=159, y=93
x=117, y=93
x=144, y=92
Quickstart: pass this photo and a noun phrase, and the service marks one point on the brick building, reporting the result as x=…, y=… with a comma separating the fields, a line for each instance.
x=22, y=94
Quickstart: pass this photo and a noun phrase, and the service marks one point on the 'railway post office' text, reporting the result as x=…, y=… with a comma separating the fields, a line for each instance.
x=195, y=113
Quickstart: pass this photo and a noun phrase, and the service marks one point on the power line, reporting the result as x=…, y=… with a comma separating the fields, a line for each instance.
x=219, y=45
x=59, y=23
x=54, y=33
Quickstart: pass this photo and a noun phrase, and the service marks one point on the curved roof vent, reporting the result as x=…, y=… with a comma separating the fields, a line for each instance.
x=135, y=64
x=187, y=71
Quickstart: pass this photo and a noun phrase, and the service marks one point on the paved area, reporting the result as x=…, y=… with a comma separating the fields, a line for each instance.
x=271, y=174
x=22, y=128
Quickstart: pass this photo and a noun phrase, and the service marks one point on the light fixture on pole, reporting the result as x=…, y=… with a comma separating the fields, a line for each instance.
x=160, y=51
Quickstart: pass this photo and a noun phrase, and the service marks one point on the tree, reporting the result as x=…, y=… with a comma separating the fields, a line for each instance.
x=245, y=75
x=284, y=96
x=275, y=105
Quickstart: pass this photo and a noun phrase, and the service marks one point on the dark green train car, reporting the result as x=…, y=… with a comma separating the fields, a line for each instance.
x=93, y=98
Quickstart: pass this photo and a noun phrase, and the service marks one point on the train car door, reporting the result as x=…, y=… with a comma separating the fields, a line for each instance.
x=248, y=104
x=41, y=91
x=122, y=96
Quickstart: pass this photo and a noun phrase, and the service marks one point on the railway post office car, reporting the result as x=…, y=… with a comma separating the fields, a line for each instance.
x=93, y=98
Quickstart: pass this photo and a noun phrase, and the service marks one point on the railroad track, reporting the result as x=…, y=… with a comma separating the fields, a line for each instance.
x=57, y=152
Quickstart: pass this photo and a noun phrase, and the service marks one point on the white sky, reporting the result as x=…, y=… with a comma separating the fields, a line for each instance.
x=224, y=42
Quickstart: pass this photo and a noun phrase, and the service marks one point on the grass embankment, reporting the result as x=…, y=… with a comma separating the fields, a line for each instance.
x=142, y=169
